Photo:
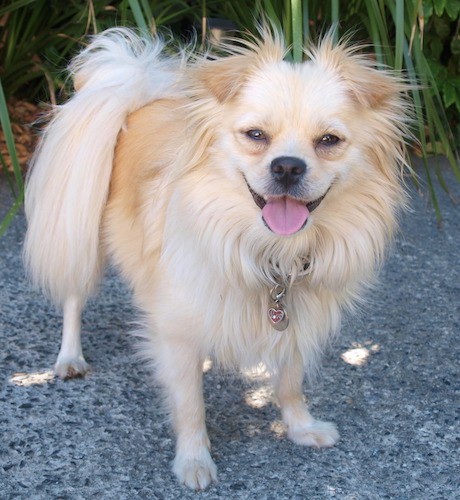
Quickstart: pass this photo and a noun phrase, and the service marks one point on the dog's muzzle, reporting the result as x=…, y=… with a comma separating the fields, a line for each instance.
x=283, y=214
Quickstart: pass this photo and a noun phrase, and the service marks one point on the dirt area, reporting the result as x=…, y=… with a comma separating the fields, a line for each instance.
x=23, y=115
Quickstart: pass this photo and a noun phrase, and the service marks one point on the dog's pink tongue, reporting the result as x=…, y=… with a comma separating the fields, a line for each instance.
x=285, y=215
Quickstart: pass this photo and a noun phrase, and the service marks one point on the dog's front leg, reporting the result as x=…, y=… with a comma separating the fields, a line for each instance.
x=302, y=428
x=180, y=370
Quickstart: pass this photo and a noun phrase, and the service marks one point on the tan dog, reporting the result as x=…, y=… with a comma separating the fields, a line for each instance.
x=246, y=200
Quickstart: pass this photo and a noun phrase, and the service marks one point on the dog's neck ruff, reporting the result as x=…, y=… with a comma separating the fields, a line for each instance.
x=277, y=313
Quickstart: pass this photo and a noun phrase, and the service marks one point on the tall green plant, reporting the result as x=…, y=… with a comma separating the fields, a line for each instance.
x=40, y=36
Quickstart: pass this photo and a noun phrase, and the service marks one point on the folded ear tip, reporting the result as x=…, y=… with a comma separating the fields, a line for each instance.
x=224, y=76
x=368, y=84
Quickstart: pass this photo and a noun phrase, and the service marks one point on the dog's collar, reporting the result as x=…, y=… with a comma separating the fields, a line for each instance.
x=277, y=277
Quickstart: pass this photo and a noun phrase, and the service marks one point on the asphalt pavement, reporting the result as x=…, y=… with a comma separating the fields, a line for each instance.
x=390, y=382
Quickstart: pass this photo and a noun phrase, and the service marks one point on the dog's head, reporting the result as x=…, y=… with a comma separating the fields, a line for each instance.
x=298, y=135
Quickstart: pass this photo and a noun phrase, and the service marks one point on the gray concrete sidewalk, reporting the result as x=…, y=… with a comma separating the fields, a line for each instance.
x=106, y=436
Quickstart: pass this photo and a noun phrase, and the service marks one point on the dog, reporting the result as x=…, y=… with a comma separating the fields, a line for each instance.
x=248, y=202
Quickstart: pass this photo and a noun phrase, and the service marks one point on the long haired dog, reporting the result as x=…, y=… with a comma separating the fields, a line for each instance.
x=246, y=200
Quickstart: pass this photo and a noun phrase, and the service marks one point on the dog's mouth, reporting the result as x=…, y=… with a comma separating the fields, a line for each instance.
x=285, y=215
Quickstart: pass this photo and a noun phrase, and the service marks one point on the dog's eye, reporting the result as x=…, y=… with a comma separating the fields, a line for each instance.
x=256, y=135
x=328, y=140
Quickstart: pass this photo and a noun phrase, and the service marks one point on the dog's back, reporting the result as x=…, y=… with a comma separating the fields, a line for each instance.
x=145, y=165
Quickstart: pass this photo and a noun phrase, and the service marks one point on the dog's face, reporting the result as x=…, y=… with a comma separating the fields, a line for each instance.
x=290, y=140
x=293, y=134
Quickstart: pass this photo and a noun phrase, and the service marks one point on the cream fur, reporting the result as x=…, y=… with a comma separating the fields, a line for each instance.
x=147, y=164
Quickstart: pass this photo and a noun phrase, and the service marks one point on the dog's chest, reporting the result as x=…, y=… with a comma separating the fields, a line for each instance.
x=239, y=330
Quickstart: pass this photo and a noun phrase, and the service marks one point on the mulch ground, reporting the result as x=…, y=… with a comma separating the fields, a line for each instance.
x=23, y=116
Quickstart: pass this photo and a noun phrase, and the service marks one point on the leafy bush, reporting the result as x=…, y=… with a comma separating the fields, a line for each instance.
x=40, y=36
x=442, y=50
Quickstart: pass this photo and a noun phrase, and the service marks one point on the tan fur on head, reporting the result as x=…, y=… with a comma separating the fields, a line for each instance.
x=225, y=75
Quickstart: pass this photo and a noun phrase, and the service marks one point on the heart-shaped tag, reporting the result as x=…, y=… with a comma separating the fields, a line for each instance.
x=276, y=315
x=276, y=311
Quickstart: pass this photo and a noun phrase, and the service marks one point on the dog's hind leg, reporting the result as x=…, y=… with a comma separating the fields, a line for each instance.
x=70, y=362
x=302, y=428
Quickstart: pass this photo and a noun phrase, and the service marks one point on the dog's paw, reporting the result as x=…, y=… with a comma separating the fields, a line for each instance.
x=196, y=472
x=316, y=434
x=67, y=368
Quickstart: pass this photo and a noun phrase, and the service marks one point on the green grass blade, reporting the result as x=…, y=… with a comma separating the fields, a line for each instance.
x=420, y=125
x=267, y=8
x=286, y=22
x=9, y=139
x=419, y=94
x=11, y=213
x=372, y=28
x=297, y=31
x=15, y=6
x=139, y=16
x=306, y=22
x=148, y=15
x=7, y=173
x=400, y=37
x=335, y=18
x=376, y=15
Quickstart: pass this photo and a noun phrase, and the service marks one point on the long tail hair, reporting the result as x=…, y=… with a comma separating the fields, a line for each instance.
x=68, y=183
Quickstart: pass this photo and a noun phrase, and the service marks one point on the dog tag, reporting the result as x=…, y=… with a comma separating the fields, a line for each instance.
x=277, y=314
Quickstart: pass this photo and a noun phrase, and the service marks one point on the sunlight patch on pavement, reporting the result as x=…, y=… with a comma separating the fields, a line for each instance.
x=258, y=372
x=359, y=355
x=278, y=428
x=259, y=398
x=35, y=378
x=207, y=365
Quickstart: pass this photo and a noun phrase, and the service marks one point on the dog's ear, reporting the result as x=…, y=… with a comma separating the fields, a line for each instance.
x=369, y=86
x=224, y=77
x=366, y=84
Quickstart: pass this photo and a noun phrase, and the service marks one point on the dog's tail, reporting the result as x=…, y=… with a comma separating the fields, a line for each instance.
x=67, y=186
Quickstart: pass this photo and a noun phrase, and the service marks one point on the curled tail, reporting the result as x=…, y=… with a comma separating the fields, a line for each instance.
x=68, y=184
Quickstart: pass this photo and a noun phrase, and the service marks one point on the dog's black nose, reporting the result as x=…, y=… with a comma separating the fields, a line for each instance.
x=288, y=170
